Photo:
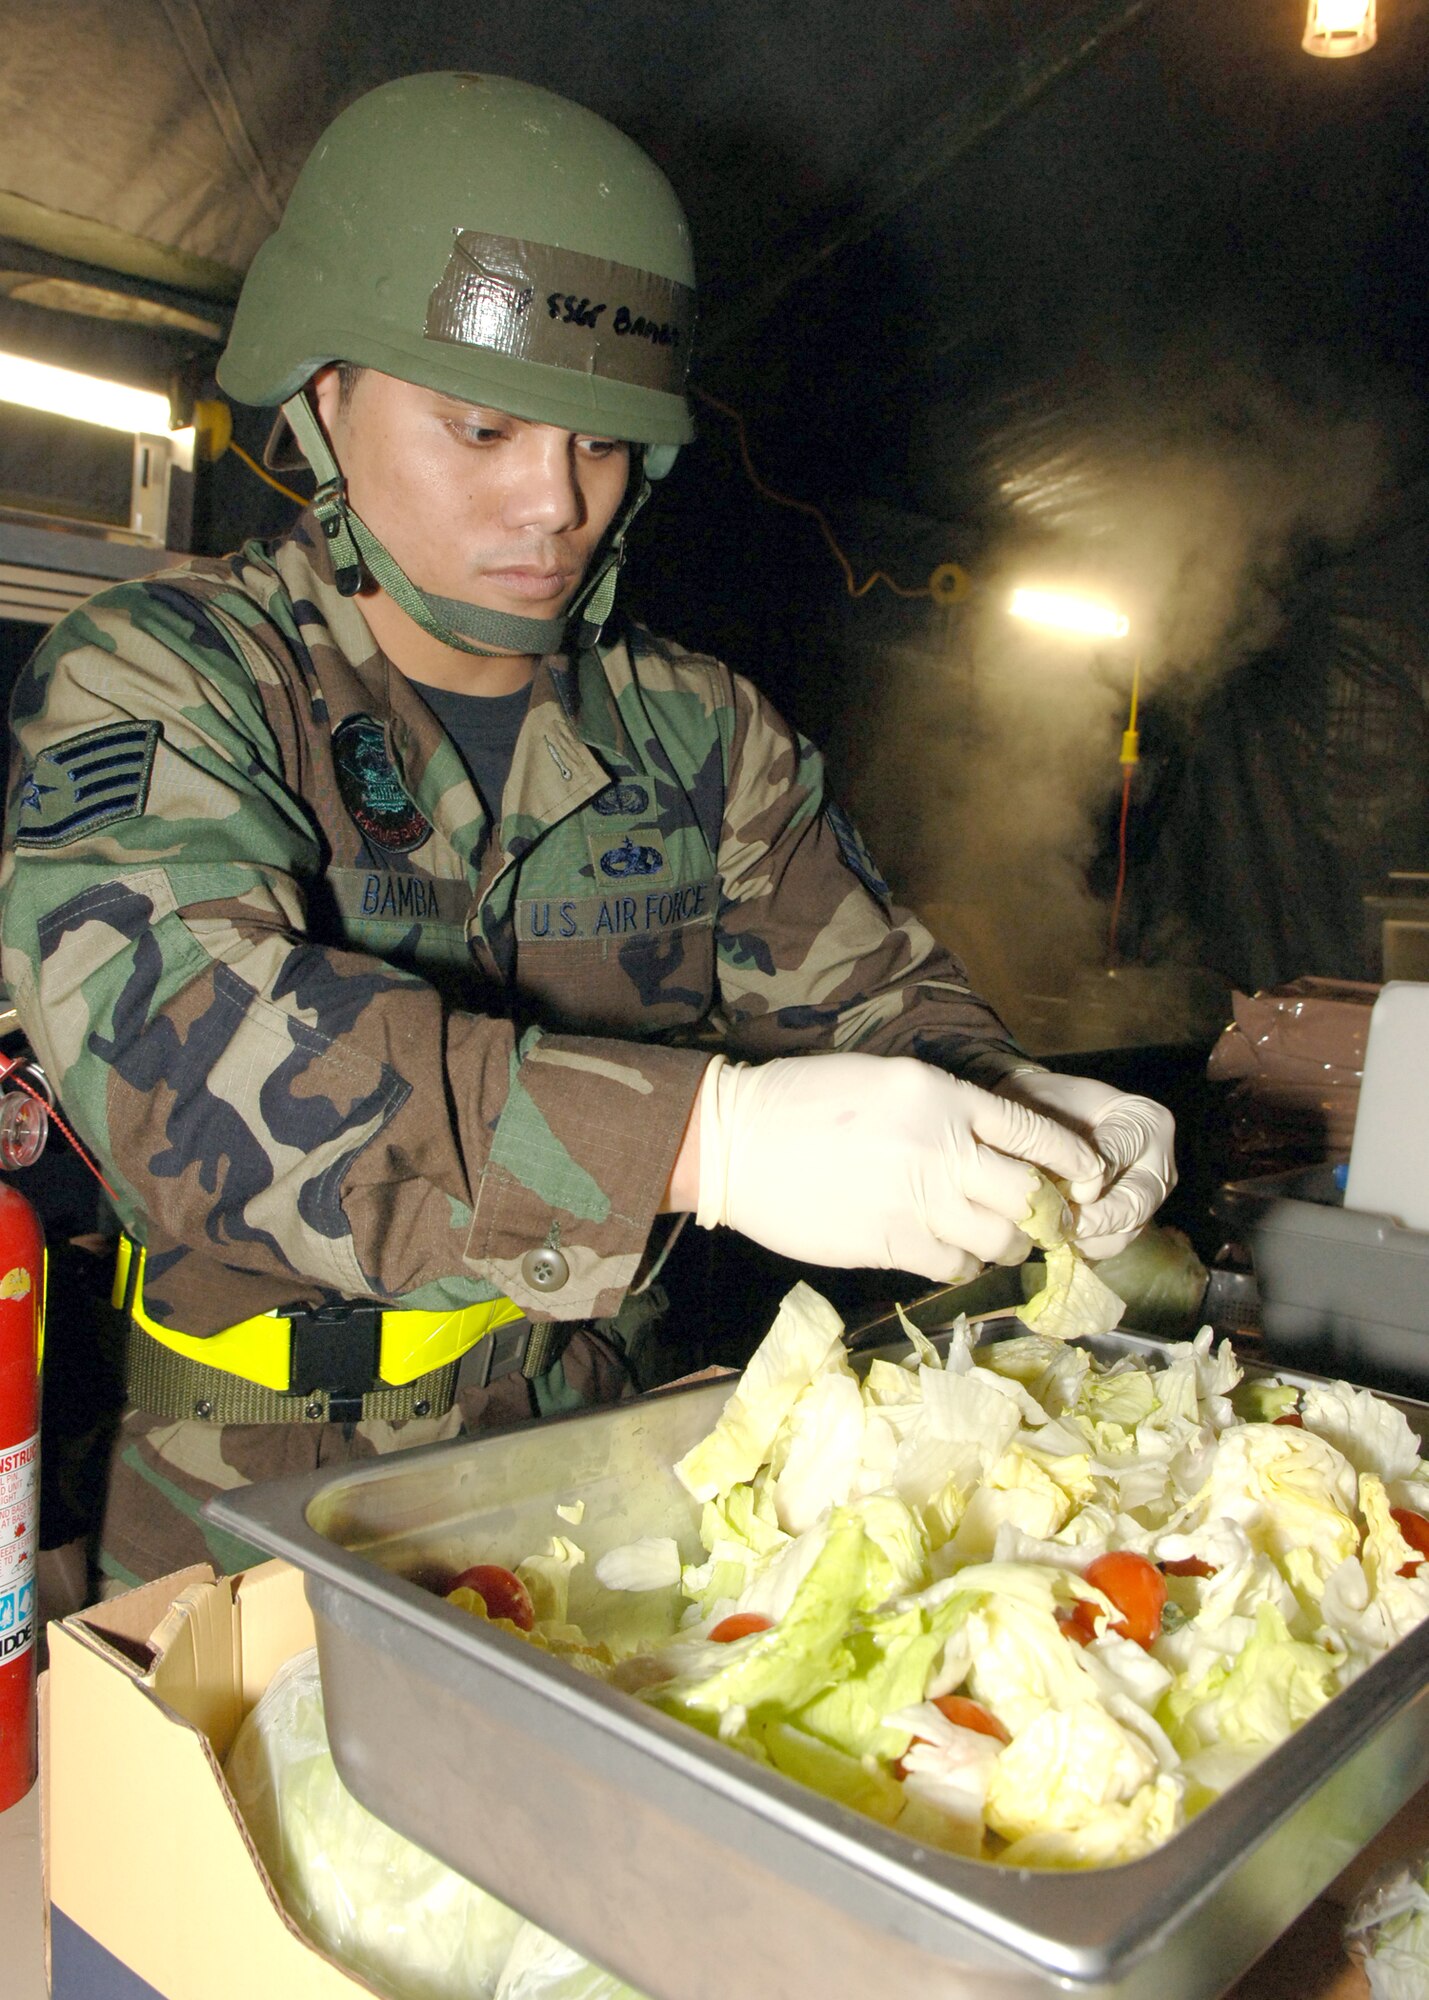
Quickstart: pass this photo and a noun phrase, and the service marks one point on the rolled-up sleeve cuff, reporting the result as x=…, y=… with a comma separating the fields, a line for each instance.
x=579, y=1163
x=989, y=1067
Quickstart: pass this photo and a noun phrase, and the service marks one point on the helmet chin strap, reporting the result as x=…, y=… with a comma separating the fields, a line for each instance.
x=468, y=628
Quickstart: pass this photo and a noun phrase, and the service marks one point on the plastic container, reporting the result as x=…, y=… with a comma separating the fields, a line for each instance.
x=1341, y=1292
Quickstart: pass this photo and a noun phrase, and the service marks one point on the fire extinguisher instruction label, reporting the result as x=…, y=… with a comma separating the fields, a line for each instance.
x=19, y=1531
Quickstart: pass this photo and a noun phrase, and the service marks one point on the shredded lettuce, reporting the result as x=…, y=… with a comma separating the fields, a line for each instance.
x=923, y=1530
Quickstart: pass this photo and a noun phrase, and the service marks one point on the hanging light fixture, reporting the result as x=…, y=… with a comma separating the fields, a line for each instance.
x=1062, y=611
x=1339, y=27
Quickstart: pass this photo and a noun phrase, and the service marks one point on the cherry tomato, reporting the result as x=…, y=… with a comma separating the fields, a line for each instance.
x=1292, y=1418
x=1136, y=1587
x=969, y=1714
x=739, y=1625
x=502, y=1592
x=1188, y=1566
x=1078, y=1621
x=1415, y=1530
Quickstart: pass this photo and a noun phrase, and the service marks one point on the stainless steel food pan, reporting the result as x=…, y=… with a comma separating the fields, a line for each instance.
x=688, y=1869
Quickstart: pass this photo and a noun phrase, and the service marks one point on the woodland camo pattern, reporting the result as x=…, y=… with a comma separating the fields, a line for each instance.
x=328, y=1039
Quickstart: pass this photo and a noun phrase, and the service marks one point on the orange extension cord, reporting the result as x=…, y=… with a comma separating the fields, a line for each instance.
x=946, y=584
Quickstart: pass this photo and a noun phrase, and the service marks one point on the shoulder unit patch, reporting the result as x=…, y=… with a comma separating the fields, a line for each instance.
x=87, y=783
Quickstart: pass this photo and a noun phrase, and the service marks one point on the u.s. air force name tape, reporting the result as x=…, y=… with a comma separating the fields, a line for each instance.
x=543, y=919
x=392, y=896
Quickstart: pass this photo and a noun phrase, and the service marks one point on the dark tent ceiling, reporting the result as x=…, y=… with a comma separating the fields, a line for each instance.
x=1131, y=286
x=179, y=125
x=1170, y=148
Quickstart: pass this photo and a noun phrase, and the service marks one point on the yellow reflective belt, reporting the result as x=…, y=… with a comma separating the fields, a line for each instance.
x=260, y=1349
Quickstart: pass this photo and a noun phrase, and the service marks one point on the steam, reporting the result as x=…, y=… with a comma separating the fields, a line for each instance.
x=1190, y=506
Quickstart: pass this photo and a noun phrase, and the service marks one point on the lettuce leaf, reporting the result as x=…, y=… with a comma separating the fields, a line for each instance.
x=793, y=1660
x=1273, y=1686
x=547, y=1577
x=652, y=1563
x=1293, y=1494
x=1367, y=1605
x=805, y=1339
x=1372, y=1434
x=1120, y=1832
x=1019, y=1492
x=1063, y=1769
x=1073, y=1302
x=891, y=1659
x=945, y=1765
x=867, y=1788
x=540, y=1967
x=824, y=1438
x=1022, y=1662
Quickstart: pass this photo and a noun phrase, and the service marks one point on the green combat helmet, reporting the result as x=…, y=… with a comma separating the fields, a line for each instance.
x=490, y=240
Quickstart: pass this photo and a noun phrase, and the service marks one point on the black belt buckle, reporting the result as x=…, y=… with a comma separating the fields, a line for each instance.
x=335, y=1348
x=533, y=1346
x=498, y=1354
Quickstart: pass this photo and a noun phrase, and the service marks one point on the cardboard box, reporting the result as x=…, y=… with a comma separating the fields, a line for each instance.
x=154, y=1889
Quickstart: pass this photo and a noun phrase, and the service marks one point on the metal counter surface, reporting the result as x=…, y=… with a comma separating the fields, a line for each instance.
x=694, y=1872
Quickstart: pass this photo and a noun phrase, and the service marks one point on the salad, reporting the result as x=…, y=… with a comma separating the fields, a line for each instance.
x=1017, y=1604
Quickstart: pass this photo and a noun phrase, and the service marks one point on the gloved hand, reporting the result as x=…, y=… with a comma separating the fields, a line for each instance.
x=876, y=1162
x=1134, y=1139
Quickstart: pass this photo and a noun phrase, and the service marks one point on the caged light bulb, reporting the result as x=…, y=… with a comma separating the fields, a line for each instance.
x=1339, y=27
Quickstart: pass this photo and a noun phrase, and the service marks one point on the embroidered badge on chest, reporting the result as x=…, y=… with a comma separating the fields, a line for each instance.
x=621, y=801
x=371, y=789
x=632, y=857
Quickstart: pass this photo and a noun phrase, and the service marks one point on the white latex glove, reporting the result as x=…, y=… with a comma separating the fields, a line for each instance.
x=874, y=1162
x=1134, y=1138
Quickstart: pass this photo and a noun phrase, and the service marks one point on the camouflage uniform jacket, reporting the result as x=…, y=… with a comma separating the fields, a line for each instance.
x=325, y=1035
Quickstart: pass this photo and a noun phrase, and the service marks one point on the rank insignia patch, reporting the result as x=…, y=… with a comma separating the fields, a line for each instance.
x=371, y=789
x=854, y=854
x=89, y=782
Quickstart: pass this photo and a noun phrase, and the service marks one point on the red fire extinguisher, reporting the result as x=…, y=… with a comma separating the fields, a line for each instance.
x=22, y=1323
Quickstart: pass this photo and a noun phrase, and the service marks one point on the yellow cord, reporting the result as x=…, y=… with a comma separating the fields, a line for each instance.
x=265, y=475
x=947, y=583
x=1130, y=739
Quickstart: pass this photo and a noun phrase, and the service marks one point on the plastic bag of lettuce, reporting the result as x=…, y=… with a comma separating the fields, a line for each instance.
x=412, y=1927
x=1388, y=1933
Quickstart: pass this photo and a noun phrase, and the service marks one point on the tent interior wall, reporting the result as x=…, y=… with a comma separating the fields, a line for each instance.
x=1128, y=293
